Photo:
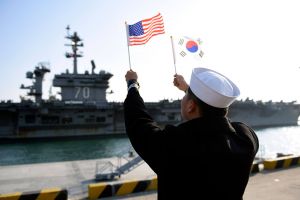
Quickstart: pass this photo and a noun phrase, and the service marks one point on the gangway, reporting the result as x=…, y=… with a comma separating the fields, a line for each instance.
x=106, y=170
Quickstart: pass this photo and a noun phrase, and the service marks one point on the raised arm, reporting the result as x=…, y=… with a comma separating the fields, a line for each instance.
x=180, y=83
x=145, y=135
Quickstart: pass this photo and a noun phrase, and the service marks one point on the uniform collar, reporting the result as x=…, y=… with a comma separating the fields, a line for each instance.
x=216, y=124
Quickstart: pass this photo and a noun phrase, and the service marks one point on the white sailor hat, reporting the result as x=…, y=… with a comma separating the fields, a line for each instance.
x=213, y=88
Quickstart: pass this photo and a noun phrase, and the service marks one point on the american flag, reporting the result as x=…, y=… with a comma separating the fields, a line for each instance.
x=142, y=31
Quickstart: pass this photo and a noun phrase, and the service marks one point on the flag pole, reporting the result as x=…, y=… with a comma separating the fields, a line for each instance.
x=174, y=57
x=127, y=34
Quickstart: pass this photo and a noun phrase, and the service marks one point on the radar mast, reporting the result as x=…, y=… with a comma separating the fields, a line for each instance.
x=81, y=87
x=74, y=44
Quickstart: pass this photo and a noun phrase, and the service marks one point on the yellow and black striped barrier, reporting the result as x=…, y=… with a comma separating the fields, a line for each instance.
x=45, y=194
x=99, y=190
x=255, y=167
x=281, y=162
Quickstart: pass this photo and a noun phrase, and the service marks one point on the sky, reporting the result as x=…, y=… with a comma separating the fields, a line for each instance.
x=255, y=43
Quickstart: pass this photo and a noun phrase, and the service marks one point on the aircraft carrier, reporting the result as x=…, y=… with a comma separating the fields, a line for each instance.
x=83, y=109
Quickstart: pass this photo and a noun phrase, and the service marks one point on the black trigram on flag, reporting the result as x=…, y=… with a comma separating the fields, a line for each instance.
x=181, y=41
x=182, y=53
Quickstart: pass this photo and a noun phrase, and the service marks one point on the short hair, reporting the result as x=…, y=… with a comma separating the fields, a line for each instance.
x=207, y=110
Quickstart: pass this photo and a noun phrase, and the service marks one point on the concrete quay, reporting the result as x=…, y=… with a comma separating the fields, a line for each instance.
x=75, y=176
x=266, y=185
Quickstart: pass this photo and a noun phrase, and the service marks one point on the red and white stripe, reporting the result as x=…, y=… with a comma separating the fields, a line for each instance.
x=152, y=26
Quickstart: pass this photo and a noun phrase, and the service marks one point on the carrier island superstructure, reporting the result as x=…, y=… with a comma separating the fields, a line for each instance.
x=83, y=109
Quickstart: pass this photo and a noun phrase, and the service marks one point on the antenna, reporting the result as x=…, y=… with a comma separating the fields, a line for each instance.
x=68, y=30
x=74, y=44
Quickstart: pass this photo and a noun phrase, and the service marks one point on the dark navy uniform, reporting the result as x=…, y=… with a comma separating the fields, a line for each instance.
x=205, y=158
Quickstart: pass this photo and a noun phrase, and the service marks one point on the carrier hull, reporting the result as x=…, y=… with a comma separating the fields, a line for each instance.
x=19, y=121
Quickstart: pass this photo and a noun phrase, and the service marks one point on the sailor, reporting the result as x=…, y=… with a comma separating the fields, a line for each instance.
x=204, y=157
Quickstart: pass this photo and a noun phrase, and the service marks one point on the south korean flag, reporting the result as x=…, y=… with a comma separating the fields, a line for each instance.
x=189, y=47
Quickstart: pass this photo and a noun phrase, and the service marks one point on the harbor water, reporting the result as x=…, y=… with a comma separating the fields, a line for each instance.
x=274, y=140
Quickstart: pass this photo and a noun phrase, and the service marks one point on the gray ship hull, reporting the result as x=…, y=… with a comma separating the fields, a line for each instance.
x=57, y=119
x=259, y=114
x=28, y=120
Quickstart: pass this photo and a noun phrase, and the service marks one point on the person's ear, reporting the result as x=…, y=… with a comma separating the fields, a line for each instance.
x=191, y=106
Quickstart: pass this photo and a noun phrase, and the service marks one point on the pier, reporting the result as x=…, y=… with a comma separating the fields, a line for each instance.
x=76, y=177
